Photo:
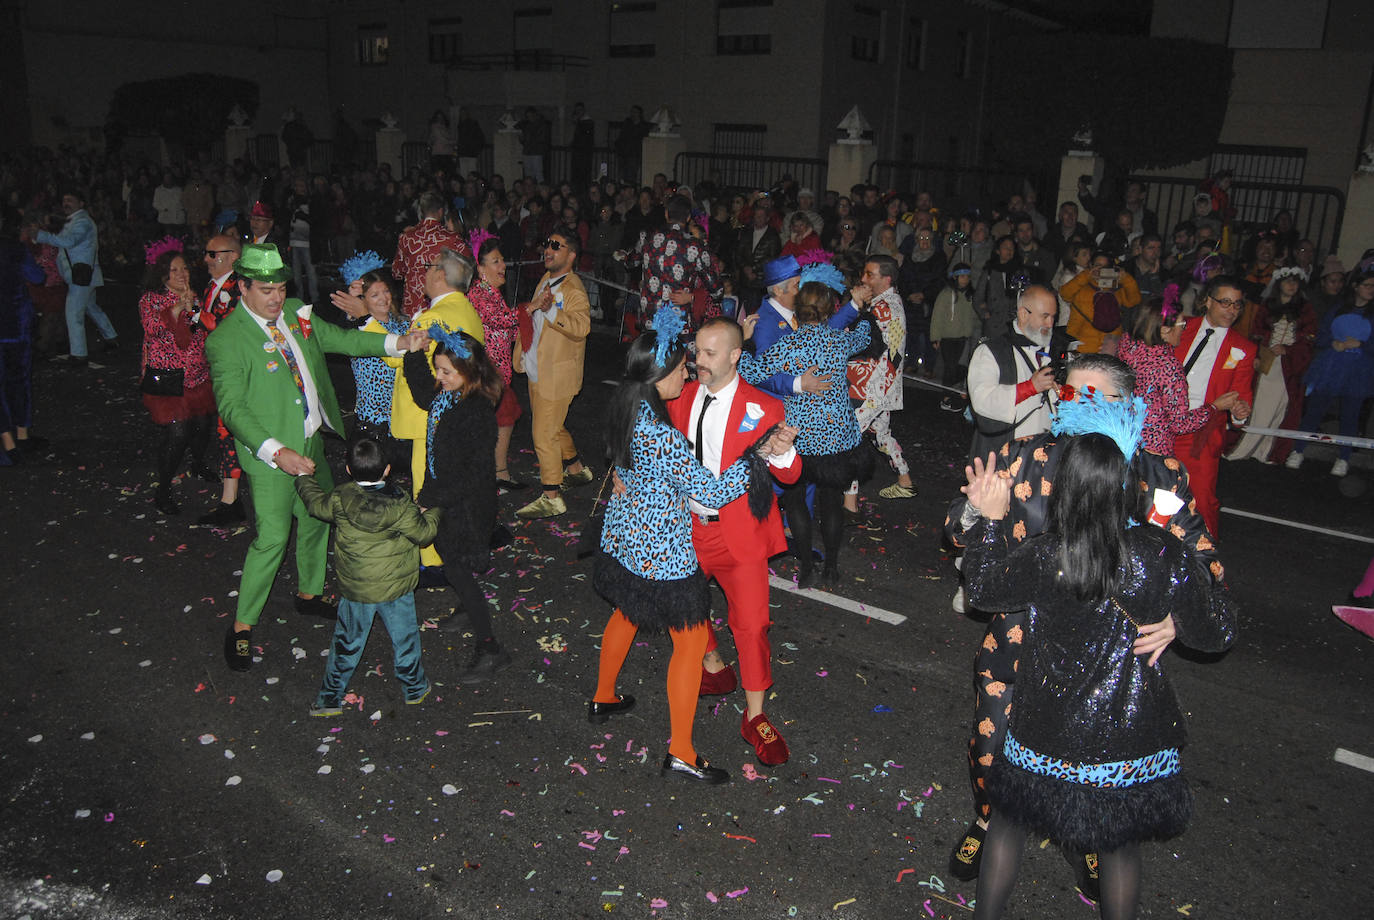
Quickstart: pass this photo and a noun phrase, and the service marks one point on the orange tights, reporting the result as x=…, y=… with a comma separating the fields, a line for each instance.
x=684, y=676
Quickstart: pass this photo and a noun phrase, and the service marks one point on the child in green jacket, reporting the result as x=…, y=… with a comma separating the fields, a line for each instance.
x=377, y=540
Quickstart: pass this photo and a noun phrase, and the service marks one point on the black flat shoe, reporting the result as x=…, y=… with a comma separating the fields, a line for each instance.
x=223, y=515
x=510, y=485
x=315, y=607
x=967, y=857
x=700, y=772
x=806, y=577
x=500, y=538
x=487, y=659
x=238, y=649
x=204, y=472
x=598, y=713
x=830, y=577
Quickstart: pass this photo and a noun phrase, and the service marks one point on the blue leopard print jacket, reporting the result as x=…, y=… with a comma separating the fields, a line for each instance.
x=649, y=527
x=826, y=420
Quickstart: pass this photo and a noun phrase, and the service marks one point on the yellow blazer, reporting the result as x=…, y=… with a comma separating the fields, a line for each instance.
x=454, y=311
x=562, y=343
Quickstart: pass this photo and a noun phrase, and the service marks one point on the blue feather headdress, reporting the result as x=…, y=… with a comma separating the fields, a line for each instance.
x=667, y=325
x=359, y=264
x=452, y=340
x=826, y=274
x=1121, y=420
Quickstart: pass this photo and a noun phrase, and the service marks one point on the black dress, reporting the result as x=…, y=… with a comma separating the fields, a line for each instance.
x=1092, y=751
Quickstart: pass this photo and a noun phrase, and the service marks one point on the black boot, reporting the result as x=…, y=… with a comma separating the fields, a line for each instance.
x=488, y=657
x=175, y=437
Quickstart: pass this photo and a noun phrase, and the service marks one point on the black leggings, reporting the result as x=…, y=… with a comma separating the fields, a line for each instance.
x=829, y=509
x=471, y=599
x=1118, y=871
x=177, y=437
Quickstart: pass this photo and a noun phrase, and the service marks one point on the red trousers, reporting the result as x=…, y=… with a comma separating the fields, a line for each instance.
x=1202, y=475
x=745, y=583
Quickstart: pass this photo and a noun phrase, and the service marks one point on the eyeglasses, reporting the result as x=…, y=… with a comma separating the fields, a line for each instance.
x=1067, y=393
x=552, y=244
x=1237, y=304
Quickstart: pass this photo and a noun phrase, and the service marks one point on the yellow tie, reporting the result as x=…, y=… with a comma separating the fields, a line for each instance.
x=792, y=321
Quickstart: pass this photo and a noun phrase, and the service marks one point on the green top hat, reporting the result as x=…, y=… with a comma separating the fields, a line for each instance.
x=262, y=262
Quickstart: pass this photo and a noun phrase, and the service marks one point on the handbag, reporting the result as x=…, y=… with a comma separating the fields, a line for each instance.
x=82, y=273
x=163, y=381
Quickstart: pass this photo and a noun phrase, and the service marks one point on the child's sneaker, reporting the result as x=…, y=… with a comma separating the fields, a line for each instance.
x=422, y=697
x=325, y=710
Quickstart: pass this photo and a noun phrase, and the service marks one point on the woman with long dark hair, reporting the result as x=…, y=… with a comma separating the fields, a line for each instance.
x=1092, y=752
x=174, y=347
x=371, y=293
x=1148, y=349
x=460, y=397
x=647, y=568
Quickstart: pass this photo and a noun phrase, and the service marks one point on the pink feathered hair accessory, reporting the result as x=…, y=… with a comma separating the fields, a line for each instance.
x=476, y=238
x=1173, y=307
x=156, y=249
x=813, y=256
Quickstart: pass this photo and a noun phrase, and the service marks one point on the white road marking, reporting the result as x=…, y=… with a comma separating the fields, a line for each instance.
x=1355, y=760
x=1300, y=526
x=834, y=600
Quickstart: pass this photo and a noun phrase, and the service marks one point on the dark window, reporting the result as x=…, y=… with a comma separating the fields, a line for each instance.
x=445, y=39
x=738, y=140
x=371, y=49
x=632, y=30
x=866, y=41
x=916, y=44
x=534, y=29
x=744, y=26
x=963, y=51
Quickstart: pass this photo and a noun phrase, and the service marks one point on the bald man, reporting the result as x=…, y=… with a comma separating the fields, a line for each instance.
x=1010, y=380
x=221, y=251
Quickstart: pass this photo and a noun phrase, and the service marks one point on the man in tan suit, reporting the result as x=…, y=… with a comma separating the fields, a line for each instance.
x=561, y=319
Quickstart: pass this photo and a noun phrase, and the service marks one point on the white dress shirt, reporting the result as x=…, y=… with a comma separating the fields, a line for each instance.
x=316, y=419
x=1201, y=373
x=713, y=434
x=537, y=319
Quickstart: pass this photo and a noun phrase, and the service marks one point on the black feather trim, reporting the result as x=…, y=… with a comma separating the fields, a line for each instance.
x=1090, y=819
x=760, y=478
x=652, y=605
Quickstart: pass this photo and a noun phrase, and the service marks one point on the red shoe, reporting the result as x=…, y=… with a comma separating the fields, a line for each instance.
x=719, y=683
x=769, y=747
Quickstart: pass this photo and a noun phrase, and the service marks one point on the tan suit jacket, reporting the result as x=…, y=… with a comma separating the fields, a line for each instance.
x=563, y=342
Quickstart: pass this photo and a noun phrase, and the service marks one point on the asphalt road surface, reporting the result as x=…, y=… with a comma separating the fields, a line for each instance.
x=141, y=778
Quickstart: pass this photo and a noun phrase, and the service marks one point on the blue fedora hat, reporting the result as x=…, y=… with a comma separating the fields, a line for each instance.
x=779, y=270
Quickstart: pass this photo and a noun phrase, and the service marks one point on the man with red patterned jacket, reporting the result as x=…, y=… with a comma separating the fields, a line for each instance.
x=420, y=245
x=722, y=416
x=220, y=295
x=676, y=262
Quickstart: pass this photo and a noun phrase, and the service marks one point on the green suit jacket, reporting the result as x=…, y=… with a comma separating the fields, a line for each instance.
x=257, y=396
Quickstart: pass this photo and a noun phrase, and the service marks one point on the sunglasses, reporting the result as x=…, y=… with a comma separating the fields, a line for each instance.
x=552, y=244
x=1067, y=393
x=218, y=252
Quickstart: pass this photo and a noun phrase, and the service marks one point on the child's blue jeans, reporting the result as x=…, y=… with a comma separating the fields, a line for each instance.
x=350, y=638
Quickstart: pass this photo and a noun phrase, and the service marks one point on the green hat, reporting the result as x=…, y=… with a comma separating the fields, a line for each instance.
x=262, y=262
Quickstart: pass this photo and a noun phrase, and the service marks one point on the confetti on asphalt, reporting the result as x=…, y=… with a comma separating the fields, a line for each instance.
x=275, y=875
x=203, y=880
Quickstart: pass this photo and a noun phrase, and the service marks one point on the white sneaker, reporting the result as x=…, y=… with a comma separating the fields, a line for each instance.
x=958, y=602
x=1294, y=460
x=1340, y=467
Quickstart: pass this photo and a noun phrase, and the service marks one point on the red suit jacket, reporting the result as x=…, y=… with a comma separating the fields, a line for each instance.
x=748, y=537
x=1234, y=370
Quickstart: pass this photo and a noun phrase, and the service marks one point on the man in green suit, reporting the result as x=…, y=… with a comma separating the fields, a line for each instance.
x=267, y=364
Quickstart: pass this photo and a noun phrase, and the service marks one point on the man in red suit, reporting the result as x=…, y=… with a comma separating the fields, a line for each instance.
x=1220, y=366
x=722, y=416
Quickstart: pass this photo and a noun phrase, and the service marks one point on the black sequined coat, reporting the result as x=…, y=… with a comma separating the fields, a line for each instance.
x=1082, y=694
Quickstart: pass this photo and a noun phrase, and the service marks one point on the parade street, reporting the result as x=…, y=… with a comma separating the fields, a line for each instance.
x=143, y=779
